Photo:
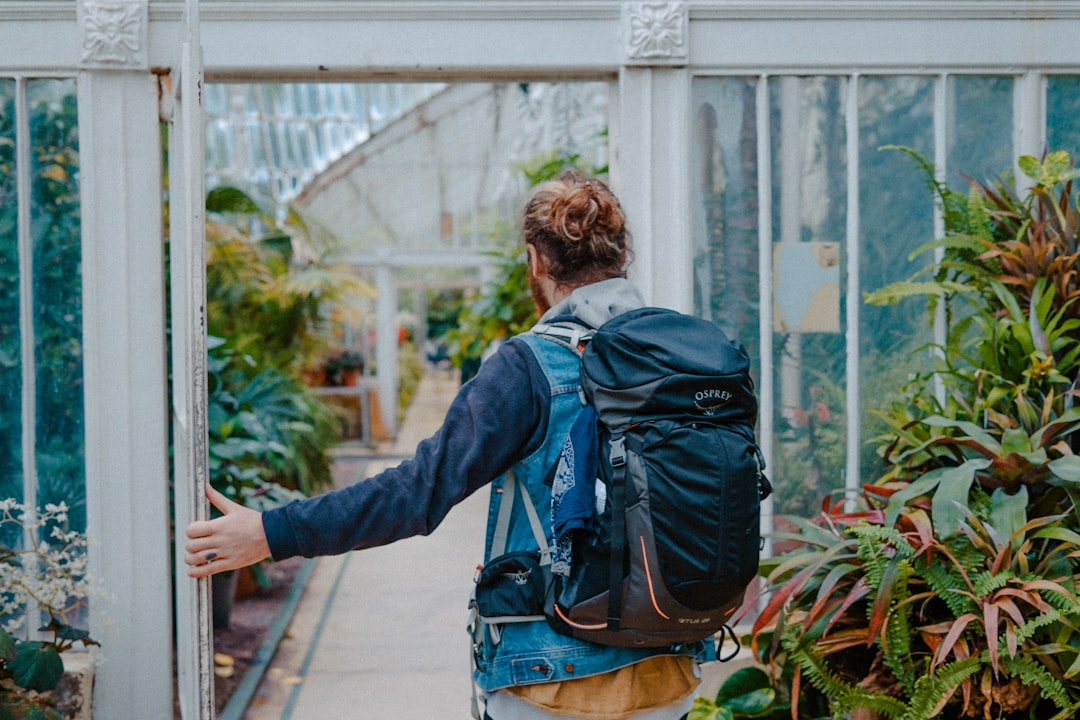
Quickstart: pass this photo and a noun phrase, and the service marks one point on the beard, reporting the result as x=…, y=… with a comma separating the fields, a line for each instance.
x=542, y=303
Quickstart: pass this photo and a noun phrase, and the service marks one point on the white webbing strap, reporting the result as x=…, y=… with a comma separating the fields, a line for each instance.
x=502, y=520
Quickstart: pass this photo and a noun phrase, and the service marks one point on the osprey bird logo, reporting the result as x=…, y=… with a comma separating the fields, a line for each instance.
x=709, y=401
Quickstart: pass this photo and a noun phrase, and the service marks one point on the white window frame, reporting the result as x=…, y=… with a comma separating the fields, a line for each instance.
x=1029, y=133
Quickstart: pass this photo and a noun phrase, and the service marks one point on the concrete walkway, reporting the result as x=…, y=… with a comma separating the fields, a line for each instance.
x=381, y=633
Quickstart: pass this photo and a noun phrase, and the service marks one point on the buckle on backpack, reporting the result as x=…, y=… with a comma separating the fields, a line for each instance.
x=617, y=454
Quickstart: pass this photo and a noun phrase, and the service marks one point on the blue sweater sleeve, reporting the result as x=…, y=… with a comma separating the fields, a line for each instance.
x=497, y=418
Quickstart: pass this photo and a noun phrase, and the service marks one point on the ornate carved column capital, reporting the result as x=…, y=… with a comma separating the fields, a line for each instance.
x=656, y=33
x=113, y=34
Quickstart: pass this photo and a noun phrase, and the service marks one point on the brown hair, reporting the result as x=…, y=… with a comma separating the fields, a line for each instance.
x=579, y=227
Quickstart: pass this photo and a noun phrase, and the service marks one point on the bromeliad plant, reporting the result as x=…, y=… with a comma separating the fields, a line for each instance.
x=954, y=590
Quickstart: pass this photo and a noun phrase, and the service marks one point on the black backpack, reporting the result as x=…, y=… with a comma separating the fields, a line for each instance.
x=666, y=556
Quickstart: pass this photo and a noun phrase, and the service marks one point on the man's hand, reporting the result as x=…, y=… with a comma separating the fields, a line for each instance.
x=232, y=541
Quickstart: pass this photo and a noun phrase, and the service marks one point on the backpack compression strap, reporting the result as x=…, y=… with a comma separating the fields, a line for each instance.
x=617, y=499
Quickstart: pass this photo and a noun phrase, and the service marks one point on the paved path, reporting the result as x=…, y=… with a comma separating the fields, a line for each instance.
x=381, y=633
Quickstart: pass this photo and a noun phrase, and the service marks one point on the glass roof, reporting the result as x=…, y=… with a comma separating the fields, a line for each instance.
x=271, y=140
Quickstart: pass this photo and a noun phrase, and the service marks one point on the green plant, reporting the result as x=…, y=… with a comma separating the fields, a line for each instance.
x=895, y=608
x=40, y=576
x=54, y=212
x=272, y=289
x=1011, y=361
x=342, y=361
x=504, y=309
x=265, y=427
x=270, y=292
x=952, y=589
x=746, y=693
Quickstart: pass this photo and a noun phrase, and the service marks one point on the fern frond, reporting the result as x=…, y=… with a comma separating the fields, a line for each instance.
x=1031, y=671
x=896, y=643
x=933, y=689
x=1027, y=630
x=978, y=223
x=900, y=290
x=1062, y=603
x=873, y=542
x=949, y=586
x=843, y=695
x=1067, y=713
x=987, y=582
x=883, y=705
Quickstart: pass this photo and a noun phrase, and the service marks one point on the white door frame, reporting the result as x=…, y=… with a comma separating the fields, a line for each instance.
x=187, y=270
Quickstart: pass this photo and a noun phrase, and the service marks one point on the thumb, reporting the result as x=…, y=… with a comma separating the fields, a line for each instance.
x=218, y=500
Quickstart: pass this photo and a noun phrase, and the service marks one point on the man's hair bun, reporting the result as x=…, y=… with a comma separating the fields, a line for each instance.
x=579, y=226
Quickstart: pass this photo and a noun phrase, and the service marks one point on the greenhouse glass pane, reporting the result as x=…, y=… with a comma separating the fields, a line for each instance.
x=11, y=475
x=55, y=233
x=1063, y=113
x=725, y=207
x=980, y=129
x=807, y=136
x=895, y=217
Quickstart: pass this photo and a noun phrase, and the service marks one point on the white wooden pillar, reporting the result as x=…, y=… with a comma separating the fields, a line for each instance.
x=386, y=345
x=1029, y=125
x=127, y=476
x=652, y=144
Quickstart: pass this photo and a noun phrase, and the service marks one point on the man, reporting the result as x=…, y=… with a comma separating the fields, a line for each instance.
x=513, y=416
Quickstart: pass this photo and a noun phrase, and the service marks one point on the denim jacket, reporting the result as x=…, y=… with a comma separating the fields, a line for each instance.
x=523, y=653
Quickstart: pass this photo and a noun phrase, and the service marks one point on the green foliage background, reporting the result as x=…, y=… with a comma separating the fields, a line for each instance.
x=57, y=291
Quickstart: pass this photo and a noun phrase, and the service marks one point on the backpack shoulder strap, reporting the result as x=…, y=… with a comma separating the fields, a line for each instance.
x=566, y=330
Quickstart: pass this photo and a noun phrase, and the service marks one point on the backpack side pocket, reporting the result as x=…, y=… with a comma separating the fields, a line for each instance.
x=511, y=587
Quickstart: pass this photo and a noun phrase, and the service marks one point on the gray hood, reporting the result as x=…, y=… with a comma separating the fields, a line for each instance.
x=596, y=303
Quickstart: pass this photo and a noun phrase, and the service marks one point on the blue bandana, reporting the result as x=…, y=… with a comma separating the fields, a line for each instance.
x=574, y=488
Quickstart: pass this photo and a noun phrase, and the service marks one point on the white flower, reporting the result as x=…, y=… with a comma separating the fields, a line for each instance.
x=50, y=576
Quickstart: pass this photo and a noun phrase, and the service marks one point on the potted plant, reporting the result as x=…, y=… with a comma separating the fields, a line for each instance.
x=344, y=367
x=954, y=590
x=45, y=577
